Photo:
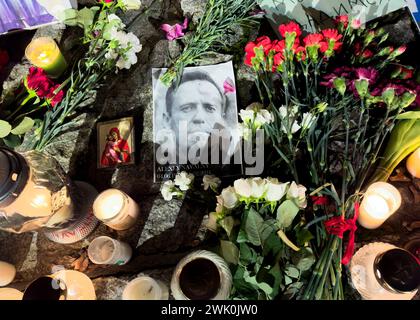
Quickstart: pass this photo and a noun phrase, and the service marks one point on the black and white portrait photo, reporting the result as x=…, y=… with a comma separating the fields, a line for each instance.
x=195, y=123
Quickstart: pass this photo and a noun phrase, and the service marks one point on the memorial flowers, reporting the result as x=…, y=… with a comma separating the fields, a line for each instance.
x=107, y=47
x=218, y=20
x=335, y=104
x=258, y=223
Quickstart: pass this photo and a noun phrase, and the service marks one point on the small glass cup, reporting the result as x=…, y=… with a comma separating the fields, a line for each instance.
x=105, y=250
x=44, y=53
x=45, y=288
x=398, y=271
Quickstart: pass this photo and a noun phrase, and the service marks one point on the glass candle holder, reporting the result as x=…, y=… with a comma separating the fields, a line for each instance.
x=34, y=192
x=7, y=273
x=10, y=294
x=105, y=250
x=382, y=271
x=145, y=288
x=78, y=285
x=380, y=201
x=201, y=275
x=413, y=164
x=44, y=53
x=116, y=209
x=45, y=288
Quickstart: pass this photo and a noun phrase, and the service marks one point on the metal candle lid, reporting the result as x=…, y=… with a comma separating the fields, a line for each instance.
x=14, y=173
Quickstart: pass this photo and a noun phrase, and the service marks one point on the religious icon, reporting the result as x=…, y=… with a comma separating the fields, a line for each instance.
x=115, y=143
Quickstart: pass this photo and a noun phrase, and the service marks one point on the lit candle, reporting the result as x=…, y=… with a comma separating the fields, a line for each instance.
x=7, y=273
x=78, y=285
x=44, y=53
x=145, y=288
x=10, y=294
x=380, y=201
x=116, y=209
x=413, y=164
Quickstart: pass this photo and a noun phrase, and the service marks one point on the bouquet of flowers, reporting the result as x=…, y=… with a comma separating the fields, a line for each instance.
x=106, y=49
x=258, y=222
x=334, y=102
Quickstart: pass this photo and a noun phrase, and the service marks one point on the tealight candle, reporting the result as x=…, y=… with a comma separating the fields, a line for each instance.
x=7, y=273
x=10, y=294
x=381, y=200
x=44, y=53
x=145, y=288
x=78, y=285
x=413, y=164
x=116, y=209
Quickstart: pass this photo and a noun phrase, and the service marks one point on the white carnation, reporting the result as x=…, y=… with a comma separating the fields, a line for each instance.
x=184, y=180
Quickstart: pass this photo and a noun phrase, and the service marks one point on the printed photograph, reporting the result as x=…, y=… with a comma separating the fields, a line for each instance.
x=116, y=143
x=196, y=122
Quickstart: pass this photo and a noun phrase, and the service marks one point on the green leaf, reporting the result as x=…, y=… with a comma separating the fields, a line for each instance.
x=247, y=255
x=242, y=286
x=292, y=290
x=12, y=141
x=286, y=213
x=230, y=251
x=287, y=280
x=5, y=128
x=278, y=277
x=303, y=236
x=292, y=272
x=24, y=126
x=227, y=224
x=242, y=237
x=69, y=17
x=265, y=287
x=85, y=17
x=273, y=245
x=304, y=259
x=409, y=115
x=253, y=226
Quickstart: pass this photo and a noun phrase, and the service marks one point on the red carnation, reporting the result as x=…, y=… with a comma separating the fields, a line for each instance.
x=314, y=39
x=367, y=54
x=43, y=86
x=264, y=42
x=290, y=28
x=301, y=53
x=38, y=81
x=342, y=20
x=57, y=98
x=250, y=53
x=319, y=201
x=333, y=37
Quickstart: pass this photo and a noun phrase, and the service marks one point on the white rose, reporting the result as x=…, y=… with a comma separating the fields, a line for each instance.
x=211, y=181
x=131, y=4
x=258, y=187
x=183, y=180
x=230, y=198
x=274, y=190
x=243, y=188
x=307, y=120
x=297, y=192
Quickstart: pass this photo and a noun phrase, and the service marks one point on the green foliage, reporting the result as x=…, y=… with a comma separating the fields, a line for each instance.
x=219, y=19
x=263, y=266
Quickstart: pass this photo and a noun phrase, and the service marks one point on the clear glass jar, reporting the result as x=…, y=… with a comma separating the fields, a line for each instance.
x=34, y=192
x=382, y=271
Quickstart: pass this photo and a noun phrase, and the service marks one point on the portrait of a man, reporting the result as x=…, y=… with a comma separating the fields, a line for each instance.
x=195, y=120
x=115, y=141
